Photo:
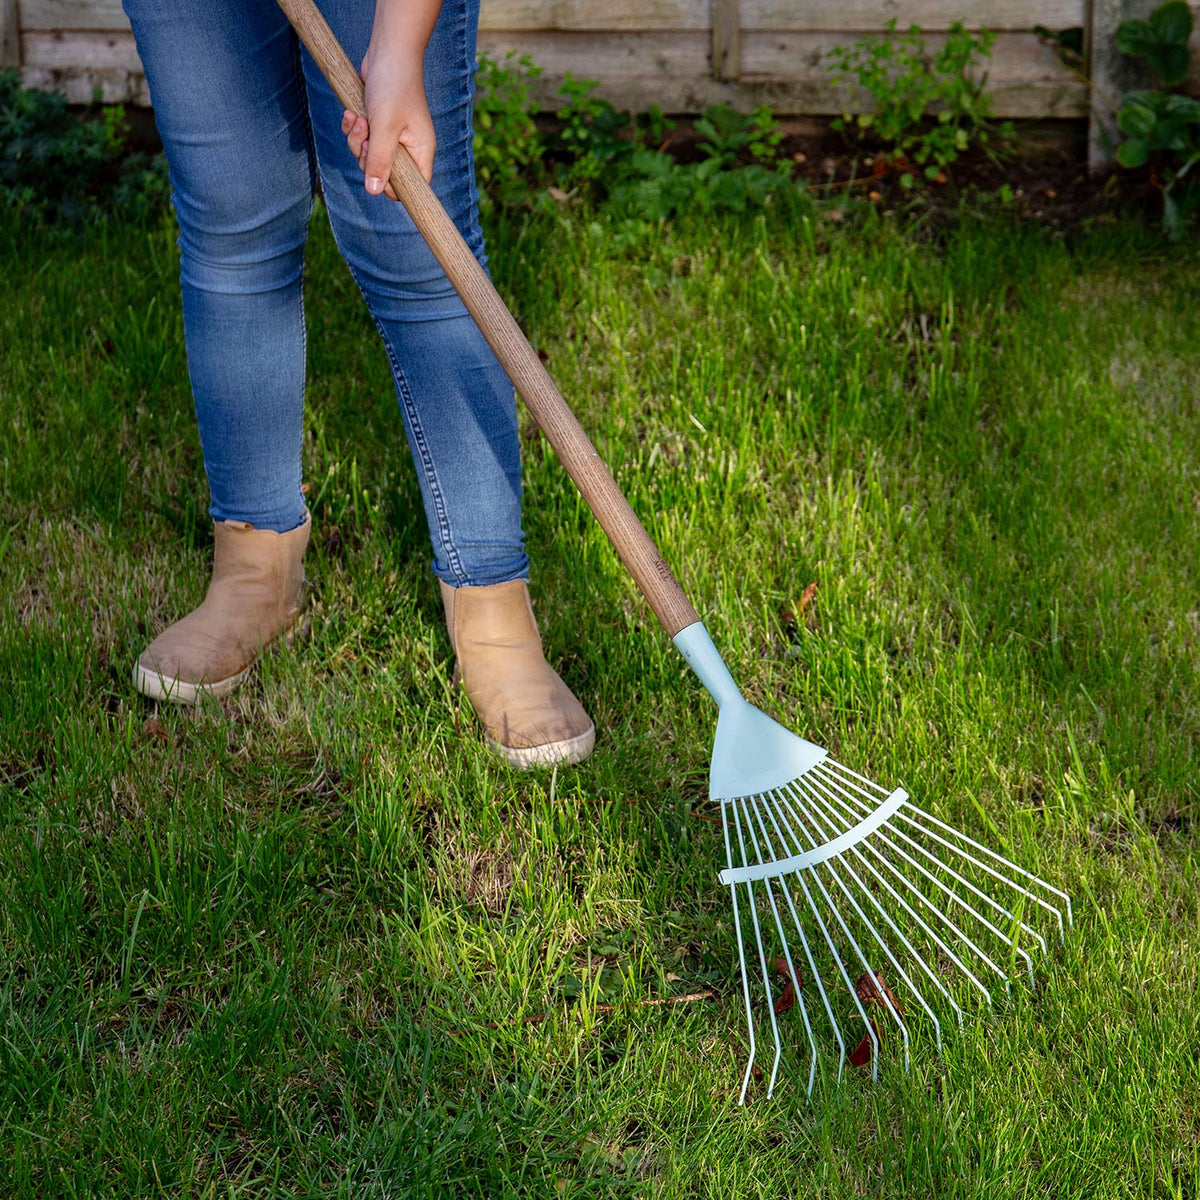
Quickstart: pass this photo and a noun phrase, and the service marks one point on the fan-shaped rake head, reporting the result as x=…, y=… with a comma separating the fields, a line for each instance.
x=842, y=877
x=833, y=877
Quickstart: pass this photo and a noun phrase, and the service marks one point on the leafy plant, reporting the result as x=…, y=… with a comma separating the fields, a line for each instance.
x=595, y=134
x=927, y=108
x=1163, y=128
x=66, y=168
x=728, y=135
x=507, y=143
x=656, y=187
x=1162, y=41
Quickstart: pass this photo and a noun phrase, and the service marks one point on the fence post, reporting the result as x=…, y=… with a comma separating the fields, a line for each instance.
x=1111, y=74
x=10, y=34
x=726, y=39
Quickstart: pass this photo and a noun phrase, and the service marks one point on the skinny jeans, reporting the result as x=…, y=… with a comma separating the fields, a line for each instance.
x=249, y=125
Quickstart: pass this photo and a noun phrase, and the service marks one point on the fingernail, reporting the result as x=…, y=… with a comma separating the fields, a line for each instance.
x=374, y=185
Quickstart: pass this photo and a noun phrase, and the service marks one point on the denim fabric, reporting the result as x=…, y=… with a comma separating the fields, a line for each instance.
x=247, y=121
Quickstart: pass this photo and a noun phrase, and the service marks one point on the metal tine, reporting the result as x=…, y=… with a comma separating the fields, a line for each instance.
x=812, y=966
x=933, y=976
x=869, y=843
x=837, y=958
x=895, y=895
x=862, y=958
x=737, y=924
x=1012, y=883
x=812, y=1068
x=938, y=862
x=828, y=825
x=957, y=899
x=762, y=958
x=958, y=850
x=828, y=864
x=1012, y=866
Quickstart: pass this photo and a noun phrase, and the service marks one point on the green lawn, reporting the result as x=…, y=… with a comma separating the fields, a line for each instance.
x=290, y=945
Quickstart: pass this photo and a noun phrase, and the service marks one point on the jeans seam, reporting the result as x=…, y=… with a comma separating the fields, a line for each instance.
x=311, y=148
x=425, y=458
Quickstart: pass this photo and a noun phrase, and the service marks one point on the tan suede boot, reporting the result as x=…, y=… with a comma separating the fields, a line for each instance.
x=255, y=597
x=530, y=715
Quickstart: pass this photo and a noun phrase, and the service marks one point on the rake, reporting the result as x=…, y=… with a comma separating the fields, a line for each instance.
x=889, y=888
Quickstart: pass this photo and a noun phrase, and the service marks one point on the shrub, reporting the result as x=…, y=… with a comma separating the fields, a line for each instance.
x=927, y=109
x=68, y=169
x=507, y=144
x=1163, y=128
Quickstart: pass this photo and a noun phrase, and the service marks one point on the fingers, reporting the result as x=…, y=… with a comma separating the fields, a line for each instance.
x=421, y=144
x=356, y=130
x=417, y=138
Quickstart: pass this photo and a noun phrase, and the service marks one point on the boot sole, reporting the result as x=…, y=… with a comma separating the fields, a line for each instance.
x=564, y=753
x=179, y=691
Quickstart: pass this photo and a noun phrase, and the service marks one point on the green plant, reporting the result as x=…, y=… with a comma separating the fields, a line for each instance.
x=729, y=136
x=1162, y=127
x=68, y=168
x=595, y=136
x=927, y=108
x=1162, y=41
x=506, y=141
x=655, y=187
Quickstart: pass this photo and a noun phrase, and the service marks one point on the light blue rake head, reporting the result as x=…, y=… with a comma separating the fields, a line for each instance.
x=889, y=888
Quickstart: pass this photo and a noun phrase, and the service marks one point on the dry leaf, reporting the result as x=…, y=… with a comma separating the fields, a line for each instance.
x=787, y=998
x=872, y=991
x=156, y=729
x=807, y=597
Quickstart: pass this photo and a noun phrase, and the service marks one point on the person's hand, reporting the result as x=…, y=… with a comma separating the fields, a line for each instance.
x=397, y=112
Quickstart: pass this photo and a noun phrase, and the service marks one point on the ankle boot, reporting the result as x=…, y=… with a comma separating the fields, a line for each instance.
x=254, y=599
x=530, y=715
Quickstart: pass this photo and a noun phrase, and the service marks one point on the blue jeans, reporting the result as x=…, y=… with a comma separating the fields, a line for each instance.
x=248, y=121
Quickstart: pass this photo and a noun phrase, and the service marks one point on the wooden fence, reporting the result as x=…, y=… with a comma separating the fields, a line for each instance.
x=679, y=54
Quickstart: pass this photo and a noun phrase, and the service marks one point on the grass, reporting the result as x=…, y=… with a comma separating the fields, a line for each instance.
x=289, y=945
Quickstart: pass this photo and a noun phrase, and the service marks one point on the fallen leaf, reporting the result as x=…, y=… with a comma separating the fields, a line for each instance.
x=807, y=597
x=558, y=194
x=787, y=998
x=874, y=197
x=861, y=1054
x=872, y=991
x=156, y=729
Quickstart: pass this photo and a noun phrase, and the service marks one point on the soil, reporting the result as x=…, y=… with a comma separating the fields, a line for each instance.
x=1047, y=176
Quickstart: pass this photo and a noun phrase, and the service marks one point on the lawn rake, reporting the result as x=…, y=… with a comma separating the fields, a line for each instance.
x=890, y=889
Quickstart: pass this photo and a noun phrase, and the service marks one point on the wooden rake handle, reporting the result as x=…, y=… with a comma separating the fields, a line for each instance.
x=518, y=358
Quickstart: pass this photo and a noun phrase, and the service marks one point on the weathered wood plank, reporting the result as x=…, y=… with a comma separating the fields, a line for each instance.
x=617, y=15
x=10, y=34
x=726, y=38
x=815, y=16
x=80, y=84
x=88, y=49
x=866, y=16
x=635, y=70
x=72, y=14
x=785, y=70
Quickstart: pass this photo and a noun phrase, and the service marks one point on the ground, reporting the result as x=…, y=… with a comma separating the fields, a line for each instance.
x=316, y=942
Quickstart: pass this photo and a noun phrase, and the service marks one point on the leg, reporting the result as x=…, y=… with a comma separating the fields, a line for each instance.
x=229, y=102
x=458, y=405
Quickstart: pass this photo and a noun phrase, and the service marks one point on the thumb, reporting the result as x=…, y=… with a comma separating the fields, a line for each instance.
x=380, y=151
